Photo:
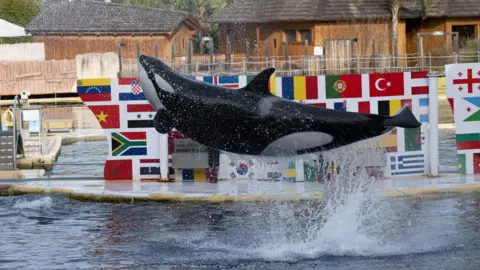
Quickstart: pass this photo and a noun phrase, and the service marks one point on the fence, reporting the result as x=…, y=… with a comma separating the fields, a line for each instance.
x=307, y=65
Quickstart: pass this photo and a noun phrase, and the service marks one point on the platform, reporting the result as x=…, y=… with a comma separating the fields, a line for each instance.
x=229, y=191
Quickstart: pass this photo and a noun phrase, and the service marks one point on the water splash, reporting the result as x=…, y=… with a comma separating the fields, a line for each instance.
x=38, y=204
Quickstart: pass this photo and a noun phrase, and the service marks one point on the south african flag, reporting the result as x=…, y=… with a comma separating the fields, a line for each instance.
x=129, y=143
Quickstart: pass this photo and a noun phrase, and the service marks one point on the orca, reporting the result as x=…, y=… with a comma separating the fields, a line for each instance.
x=251, y=120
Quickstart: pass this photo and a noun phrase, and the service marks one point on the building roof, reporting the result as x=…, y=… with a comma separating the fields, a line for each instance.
x=254, y=11
x=90, y=16
x=8, y=29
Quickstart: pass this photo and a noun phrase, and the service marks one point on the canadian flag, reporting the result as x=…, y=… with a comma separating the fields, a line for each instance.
x=386, y=84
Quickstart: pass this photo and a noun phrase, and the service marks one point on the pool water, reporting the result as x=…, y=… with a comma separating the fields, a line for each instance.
x=54, y=232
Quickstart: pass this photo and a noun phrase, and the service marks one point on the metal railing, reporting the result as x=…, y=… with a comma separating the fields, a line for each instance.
x=307, y=65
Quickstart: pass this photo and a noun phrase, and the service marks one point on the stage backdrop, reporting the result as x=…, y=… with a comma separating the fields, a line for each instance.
x=127, y=119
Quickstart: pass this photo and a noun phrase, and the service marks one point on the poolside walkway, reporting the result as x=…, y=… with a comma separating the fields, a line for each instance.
x=243, y=190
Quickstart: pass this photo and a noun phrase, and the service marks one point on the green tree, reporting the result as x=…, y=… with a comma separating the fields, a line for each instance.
x=19, y=12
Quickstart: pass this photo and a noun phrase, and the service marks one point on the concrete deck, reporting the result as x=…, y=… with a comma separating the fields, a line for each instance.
x=229, y=191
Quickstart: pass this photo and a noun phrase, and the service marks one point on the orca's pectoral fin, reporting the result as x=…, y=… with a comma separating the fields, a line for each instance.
x=259, y=84
x=403, y=119
x=163, y=122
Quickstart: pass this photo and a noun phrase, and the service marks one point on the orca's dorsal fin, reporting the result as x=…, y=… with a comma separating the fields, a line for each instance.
x=259, y=84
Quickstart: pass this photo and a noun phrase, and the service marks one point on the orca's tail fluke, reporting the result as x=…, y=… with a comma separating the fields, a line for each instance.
x=403, y=119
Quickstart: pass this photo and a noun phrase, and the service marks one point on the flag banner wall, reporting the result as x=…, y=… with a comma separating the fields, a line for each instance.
x=134, y=145
x=463, y=92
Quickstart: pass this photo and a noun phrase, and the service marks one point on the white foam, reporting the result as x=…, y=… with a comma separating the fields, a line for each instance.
x=42, y=203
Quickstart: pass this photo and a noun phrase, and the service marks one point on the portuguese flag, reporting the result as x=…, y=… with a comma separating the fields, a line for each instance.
x=344, y=86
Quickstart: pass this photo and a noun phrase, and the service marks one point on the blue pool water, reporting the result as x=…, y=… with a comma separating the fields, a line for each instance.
x=53, y=232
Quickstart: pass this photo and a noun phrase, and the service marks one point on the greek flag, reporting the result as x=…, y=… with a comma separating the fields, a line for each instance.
x=407, y=164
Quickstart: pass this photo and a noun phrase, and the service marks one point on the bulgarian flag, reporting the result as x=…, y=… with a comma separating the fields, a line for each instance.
x=344, y=86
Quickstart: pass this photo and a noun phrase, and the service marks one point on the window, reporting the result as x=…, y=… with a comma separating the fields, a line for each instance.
x=291, y=35
x=275, y=43
x=306, y=35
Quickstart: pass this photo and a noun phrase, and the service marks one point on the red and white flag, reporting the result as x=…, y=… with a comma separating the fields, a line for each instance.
x=418, y=82
x=386, y=85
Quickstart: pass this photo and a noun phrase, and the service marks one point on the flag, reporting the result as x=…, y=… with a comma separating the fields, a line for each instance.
x=129, y=143
x=287, y=88
x=344, y=86
x=392, y=107
x=407, y=164
x=423, y=110
x=242, y=169
x=473, y=112
x=227, y=81
x=466, y=82
x=150, y=169
x=108, y=115
x=320, y=105
x=130, y=89
x=413, y=139
x=139, y=116
x=419, y=82
x=476, y=163
x=118, y=170
x=364, y=107
x=389, y=141
x=92, y=90
x=271, y=84
x=462, y=163
x=305, y=87
x=197, y=174
x=340, y=106
x=385, y=85
x=468, y=141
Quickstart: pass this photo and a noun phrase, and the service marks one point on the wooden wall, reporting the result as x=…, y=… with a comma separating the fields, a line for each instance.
x=437, y=45
x=180, y=41
x=365, y=31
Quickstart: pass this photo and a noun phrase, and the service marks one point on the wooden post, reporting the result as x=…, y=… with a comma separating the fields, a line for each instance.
x=138, y=51
x=229, y=54
x=244, y=66
x=189, y=55
x=211, y=56
x=156, y=50
x=173, y=56
x=290, y=65
x=258, y=42
x=247, y=49
x=358, y=64
x=373, y=54
x=478, y=48
x=286, y=49
x=266, y=53
x=306, y=47
x=120, y=58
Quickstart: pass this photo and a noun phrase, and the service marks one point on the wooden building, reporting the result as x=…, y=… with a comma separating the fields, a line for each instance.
x=71, y=27
x=319, y=21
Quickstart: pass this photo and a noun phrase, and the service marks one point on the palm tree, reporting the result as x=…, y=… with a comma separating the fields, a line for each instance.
x=395, y=6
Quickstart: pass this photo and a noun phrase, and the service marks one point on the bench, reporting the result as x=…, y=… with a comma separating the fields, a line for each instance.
x=59, y=125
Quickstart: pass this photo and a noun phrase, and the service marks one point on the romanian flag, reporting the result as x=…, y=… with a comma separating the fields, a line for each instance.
x=344, y=86
x=92, y=90
x=300, y=87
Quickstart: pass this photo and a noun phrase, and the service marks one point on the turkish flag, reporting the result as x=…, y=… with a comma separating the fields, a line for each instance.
x=386, y=84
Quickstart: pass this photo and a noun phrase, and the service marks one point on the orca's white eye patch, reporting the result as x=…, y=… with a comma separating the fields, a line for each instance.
x=164, y=85
x=149, y=90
